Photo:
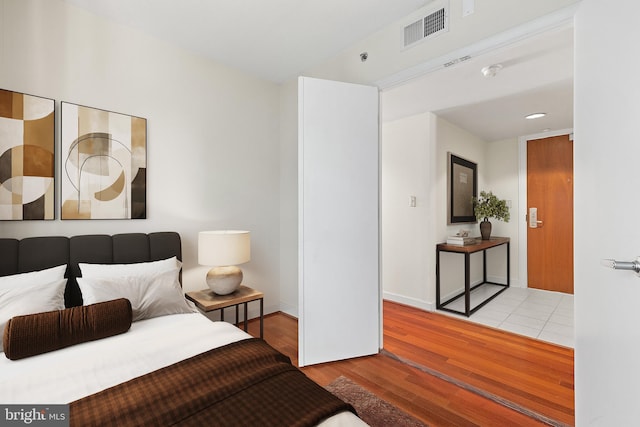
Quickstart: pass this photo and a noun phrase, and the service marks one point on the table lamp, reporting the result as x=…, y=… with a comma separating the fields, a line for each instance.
x=223, y=250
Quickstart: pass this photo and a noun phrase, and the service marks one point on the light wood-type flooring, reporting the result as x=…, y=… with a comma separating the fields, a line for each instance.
x=470, y=361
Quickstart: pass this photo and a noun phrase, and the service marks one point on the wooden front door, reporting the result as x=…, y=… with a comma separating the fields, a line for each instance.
x=550, y=191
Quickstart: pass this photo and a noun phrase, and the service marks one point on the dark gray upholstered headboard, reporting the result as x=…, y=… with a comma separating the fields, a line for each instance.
x=38, y=253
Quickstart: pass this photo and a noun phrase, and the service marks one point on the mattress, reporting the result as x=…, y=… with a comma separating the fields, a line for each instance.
x=71, y=373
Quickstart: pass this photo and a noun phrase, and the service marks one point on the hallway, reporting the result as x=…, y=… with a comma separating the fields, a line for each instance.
x=534, y=313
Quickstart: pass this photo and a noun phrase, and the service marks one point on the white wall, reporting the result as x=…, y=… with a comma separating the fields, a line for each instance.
x=407, y=232
x=502, y=178
x=289, y=198
x=212, y=132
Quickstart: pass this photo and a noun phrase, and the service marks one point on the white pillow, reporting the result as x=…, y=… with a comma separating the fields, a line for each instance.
x=29, y=298
x=105, y=271
x=151, y=295
x=42, y=276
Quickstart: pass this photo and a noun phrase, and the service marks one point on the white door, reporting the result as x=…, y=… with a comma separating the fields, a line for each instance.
x=338, y=161
x=607, y=160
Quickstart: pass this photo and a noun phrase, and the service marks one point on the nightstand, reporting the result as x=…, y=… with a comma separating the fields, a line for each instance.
x=207, y=301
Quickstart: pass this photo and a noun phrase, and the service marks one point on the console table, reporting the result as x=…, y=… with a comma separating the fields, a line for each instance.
x=482, y=245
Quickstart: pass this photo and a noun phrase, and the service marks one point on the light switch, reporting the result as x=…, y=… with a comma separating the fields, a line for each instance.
x=412, y=201
x=468, y=7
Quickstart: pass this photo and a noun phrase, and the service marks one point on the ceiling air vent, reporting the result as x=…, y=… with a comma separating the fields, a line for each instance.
x=431, y=25
x=413, y=33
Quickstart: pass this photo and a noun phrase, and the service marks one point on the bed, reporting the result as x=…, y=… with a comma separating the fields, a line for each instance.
x=112, y=336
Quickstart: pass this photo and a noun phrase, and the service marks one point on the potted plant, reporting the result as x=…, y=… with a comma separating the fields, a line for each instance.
x=489, y=206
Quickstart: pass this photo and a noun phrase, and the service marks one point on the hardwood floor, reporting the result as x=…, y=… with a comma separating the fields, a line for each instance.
x=529, y=373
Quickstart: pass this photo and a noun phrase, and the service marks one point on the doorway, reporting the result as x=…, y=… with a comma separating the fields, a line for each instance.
x=497, y=118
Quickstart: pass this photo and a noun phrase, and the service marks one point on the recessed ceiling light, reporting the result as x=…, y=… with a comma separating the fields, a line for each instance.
x=535, y=116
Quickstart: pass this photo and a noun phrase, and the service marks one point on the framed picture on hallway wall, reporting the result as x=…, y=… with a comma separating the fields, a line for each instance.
x=462, y=188
x=103, y=164
x=27, y=165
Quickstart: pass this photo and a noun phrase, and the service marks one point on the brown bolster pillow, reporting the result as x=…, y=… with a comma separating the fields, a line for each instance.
x=33, y=334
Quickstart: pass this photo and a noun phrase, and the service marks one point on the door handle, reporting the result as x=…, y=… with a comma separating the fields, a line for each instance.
x=623, y=265
x=533, y=218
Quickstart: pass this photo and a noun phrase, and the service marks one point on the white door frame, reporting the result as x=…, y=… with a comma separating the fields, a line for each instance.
x=523, y=276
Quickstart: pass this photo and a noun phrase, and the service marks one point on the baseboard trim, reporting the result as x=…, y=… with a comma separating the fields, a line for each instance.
x=412, y=302
x=515, y=283
x=289, y=310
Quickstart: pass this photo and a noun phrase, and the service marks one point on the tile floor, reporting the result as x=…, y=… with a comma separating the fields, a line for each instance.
x=544, y=315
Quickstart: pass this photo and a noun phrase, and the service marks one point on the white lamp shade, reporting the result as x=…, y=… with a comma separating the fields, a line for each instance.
x=224, y=247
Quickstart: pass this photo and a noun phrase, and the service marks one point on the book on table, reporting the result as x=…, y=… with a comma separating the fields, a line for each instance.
x=461, y=241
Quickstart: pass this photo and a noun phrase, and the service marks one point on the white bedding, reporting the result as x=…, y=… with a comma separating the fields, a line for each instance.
x=69, y=374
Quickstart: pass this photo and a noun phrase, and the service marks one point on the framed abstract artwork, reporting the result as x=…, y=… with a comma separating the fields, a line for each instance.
x=103, y=164
x=27, y=165
x=463, y=187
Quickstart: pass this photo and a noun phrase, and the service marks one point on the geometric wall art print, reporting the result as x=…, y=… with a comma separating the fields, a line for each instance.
x=27, y=157
x=103, y=164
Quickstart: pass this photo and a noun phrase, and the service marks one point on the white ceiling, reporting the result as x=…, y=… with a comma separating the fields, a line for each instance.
x=273, y=39
x=537, y=76
x=278, y=39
